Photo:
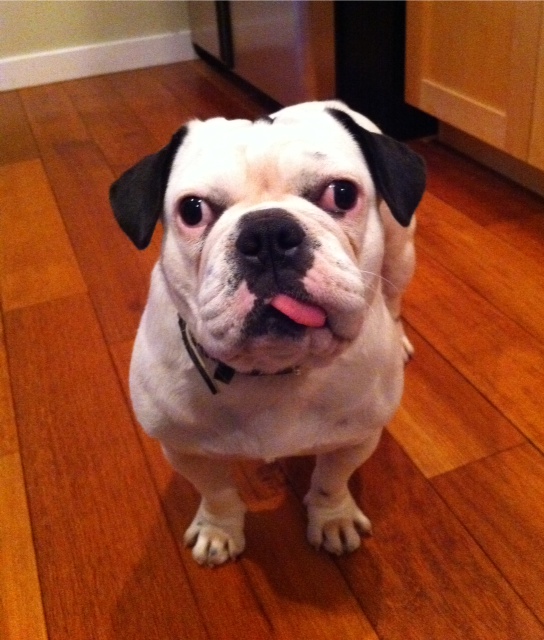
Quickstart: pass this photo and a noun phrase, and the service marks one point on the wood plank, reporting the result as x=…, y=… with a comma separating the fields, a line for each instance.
x=17, y=141
x=224, y=595
x=509, y=211
x=280, y=585
x=115, y=128
x=108, y=565
x=52, y=115
x=443, y=421
x=38, y=261
x=484, y=262
x=499, y=358
x=154, y=105
x=8, y=430
x=22, y=611
x=191, y=83
x=501, y=502
x=421, y=575
x=115, y=272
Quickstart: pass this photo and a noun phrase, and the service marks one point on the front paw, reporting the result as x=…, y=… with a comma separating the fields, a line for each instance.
x=215, y=539
x=336, y=525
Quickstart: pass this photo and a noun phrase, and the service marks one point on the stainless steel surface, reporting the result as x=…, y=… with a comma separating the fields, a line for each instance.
x=285, y=49
x=204, y=28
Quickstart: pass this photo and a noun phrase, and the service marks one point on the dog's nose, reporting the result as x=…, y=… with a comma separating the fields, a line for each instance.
x=269, y=236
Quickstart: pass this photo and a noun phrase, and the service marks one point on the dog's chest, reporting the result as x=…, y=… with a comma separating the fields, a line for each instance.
x=273, y=416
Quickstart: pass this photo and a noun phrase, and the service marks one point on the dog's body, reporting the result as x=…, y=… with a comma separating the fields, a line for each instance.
x=288, y=243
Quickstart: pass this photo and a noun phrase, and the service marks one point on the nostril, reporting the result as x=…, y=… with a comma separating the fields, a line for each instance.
x=289, y=237
x=249, y=244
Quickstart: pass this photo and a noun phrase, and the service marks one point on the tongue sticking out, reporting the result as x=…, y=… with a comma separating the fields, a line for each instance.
x=302, y=313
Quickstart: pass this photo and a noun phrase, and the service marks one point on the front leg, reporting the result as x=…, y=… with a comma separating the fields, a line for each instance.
x=216, y=533
x=335, y=522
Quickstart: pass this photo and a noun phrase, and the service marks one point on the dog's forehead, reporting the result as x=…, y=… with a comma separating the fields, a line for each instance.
x=235, y=152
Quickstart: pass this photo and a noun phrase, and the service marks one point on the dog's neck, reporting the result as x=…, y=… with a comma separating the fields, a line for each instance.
x=223, y=372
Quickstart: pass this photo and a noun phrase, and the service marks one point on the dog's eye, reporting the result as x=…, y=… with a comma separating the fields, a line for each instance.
x=195, y=211
x=339, y=196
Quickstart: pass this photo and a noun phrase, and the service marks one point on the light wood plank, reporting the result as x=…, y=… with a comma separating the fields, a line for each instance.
x=108, y=565
x=115, y=272
x=499, y=358
x=501, y=502
x=38, y=263
x=22, y=613
x=443, y=421
x=8, y=429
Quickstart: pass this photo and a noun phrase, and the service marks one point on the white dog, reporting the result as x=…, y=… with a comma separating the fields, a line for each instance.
x=272, y=326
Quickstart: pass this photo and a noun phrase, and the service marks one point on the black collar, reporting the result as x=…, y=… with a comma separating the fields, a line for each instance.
x=223, y=372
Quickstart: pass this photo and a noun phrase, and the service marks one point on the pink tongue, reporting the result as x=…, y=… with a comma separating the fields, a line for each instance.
x=308, y=315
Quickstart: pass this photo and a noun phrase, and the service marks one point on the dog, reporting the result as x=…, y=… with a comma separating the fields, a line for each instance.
x=272, y=326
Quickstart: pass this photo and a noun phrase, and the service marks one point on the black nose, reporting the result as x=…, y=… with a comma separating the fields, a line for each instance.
x=269, y=236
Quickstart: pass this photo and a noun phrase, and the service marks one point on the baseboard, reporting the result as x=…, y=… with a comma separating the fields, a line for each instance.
x=524, y=174
x=90, y=60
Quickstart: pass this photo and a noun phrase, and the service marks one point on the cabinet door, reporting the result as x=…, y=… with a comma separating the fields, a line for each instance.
x=473, y=66
x=536, y=150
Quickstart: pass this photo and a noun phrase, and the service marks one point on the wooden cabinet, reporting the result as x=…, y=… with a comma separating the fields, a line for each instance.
x=479, y=67
x=536, y=148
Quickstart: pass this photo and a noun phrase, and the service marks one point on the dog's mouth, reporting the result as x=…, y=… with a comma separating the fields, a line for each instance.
x=301, y=313
x=284, y=317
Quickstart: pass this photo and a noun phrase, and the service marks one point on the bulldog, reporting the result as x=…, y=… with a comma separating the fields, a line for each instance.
x=272, y=326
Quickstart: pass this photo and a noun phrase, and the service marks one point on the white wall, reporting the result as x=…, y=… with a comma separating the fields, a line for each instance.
x=49, y=40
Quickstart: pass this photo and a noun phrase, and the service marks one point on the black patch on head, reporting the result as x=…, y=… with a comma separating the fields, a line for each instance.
x=397, y=171
x=137, y=197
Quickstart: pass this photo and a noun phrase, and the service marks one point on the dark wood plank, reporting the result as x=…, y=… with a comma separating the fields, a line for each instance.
x=499, y=358
x=115, y=128
x=443, y=421
x=225, y=597
x=421, y=575
x=52, y=115
x=155, y=106
x=484, y=262
x=17, y=142
x=501, y=502
x=107, y=563
x=196, y=88
x=511, y=212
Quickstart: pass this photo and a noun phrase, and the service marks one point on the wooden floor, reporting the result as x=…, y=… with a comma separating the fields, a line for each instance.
x=91, y=517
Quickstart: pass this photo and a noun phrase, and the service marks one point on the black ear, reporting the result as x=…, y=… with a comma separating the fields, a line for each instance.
x=397, y=171
x=137, y=196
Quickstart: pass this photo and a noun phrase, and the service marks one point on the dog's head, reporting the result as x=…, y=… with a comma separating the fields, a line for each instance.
x=273, y=241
